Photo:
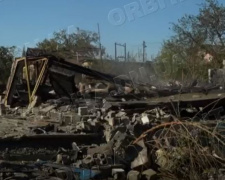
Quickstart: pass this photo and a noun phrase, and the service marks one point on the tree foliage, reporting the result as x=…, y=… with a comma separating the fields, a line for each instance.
x=69, y=45
x=6, y=59
x=194, y=37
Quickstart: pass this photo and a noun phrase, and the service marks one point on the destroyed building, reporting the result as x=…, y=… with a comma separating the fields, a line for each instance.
x=103, y=126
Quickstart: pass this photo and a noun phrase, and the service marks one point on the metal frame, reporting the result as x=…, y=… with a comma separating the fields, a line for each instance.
x=39, y=80
x=11, y=77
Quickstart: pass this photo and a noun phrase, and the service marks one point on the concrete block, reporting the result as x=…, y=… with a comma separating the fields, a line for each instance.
x=133, y=175
x=82, y=111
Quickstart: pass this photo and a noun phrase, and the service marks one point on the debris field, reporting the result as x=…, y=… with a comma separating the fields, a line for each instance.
x=105, y=126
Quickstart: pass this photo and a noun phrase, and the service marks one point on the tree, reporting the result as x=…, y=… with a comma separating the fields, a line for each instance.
x=6, y=59
x=194, y=37
x=70, y=45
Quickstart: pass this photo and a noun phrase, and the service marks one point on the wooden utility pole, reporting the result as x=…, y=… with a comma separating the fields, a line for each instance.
x=144, y=47
x=100, y=44
x=115, y=52
x=125, y=52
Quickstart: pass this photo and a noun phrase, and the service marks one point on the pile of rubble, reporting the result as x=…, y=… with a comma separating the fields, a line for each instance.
x=144, y=133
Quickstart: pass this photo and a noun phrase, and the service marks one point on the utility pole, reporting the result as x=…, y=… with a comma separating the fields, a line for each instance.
x=125, y=50
x=144, y=47
x=100, y=44
x=115, y=52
